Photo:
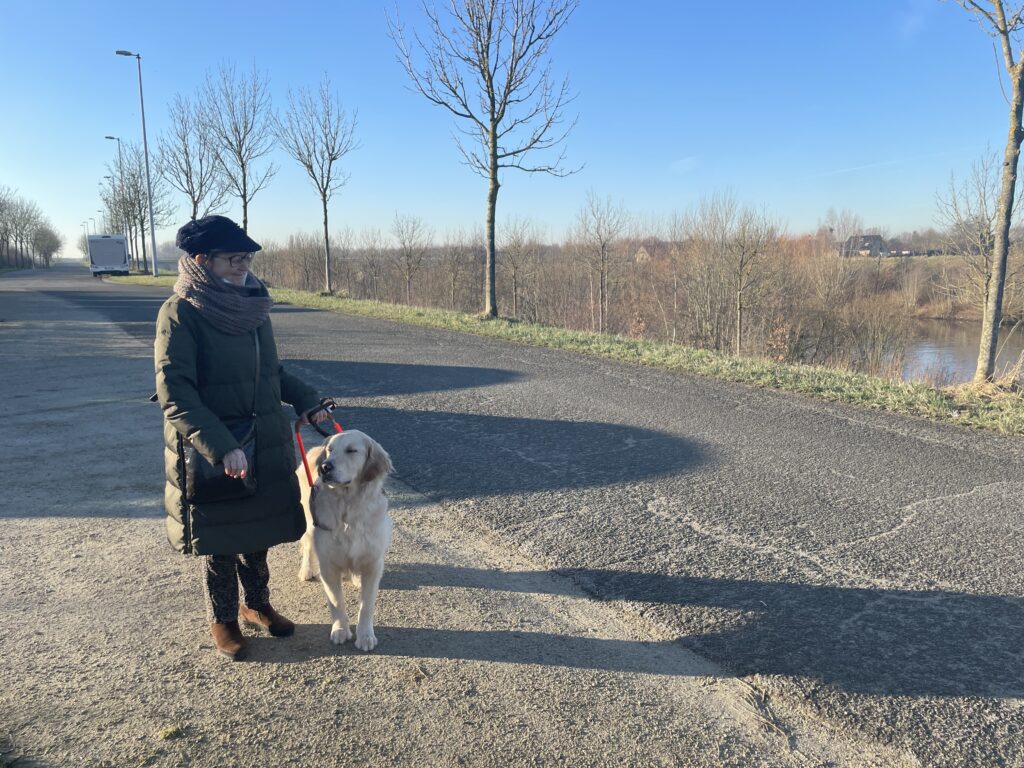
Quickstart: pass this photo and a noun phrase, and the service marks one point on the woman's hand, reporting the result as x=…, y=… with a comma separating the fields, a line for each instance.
x=320, y=415
x=235, y=464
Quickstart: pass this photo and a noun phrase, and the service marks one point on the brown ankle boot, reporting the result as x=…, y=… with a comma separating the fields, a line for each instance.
x=267, y=618
x=228, y=639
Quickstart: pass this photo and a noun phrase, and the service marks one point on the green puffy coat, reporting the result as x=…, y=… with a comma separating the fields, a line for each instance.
x=204, y=378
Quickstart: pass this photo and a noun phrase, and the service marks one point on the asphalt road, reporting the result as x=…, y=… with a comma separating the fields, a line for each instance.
x=863, y=570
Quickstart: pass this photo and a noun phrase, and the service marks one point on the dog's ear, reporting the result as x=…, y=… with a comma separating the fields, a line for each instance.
x=377, y=464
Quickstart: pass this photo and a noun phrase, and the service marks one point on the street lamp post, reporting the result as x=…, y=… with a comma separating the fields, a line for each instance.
x=95, y=229
x=102, y=216
x=145, y=149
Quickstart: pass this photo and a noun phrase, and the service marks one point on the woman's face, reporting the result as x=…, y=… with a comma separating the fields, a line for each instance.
x=230, y=266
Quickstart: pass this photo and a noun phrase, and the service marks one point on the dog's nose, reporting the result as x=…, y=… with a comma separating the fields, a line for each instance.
x=326, y=467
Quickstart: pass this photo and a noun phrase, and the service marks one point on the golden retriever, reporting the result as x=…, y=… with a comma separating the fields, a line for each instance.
x=348, y=528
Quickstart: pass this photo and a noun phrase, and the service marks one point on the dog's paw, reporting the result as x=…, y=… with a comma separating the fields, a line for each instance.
x=307, y=572
x=365, y=639
x=339, y=633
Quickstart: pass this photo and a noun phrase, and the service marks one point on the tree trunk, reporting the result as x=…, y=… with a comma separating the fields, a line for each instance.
x=601, y=293
x=739, y=321
x=515, y=294
x=490, y=293
x=142, y=233
x=992, y=317
x=327, y=247
x=593, y=318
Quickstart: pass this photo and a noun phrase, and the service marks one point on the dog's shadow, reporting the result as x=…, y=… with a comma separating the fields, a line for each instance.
x=521, y=647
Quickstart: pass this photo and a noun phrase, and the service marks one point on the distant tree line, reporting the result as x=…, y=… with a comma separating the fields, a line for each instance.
x=721, y=276
x=27, y=238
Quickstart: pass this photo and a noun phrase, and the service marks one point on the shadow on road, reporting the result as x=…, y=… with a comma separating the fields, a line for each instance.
x=511, y=647
x=872, y=641
x=447, y=455
x=362, y=379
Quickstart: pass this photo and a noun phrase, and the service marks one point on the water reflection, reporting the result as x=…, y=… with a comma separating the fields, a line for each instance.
x=946, y=352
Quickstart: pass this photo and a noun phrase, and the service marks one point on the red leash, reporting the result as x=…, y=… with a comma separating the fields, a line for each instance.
x=325, y=405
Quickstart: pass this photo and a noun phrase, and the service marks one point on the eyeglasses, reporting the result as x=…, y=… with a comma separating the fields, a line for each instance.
x=236, y=260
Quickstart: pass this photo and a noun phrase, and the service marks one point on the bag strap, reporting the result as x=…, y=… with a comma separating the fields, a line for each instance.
x=256, y=381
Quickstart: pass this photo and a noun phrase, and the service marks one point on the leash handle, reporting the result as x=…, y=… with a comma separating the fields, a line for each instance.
x=326, y=404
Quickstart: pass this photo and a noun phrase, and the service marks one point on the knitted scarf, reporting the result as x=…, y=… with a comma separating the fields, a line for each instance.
x=232, y=309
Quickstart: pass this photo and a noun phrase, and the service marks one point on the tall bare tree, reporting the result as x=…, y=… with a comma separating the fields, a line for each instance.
x=519, y=248
x=969, y=214
x=317, y=133
x=486, y=62
x=753, y=237
x=188, y=159
x=456, y=259
x=46, y=242
x=237, y=109
x=7, y=199
x=135, y=200
x=25, y=220
x=1002, y=21
x=371, y=257
x=599, y=224
x=413, y=239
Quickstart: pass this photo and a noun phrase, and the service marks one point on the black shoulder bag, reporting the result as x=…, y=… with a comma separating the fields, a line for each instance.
x=206, y=483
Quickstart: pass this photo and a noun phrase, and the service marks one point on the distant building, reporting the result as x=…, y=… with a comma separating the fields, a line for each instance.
x=865, y=245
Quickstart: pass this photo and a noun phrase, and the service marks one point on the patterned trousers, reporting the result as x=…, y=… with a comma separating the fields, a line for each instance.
x=221, y=574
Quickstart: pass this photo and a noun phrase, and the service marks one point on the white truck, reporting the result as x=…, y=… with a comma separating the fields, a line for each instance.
x=108, y=255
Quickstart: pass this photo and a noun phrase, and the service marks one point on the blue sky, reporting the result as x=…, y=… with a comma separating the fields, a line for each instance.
x=798, y=106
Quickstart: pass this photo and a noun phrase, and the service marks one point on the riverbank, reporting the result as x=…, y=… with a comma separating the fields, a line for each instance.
x=999, y=411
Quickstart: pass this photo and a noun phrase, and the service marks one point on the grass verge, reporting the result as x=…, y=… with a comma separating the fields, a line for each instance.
x=995, y=409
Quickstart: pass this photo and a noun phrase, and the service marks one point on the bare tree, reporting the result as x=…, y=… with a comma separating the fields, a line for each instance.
x=372, y=260
x=968, y=213
x=518, y=253
x=486, y=62
x=317, y=133
x=413, y=238
x=26, y=218
x=7, y=200
x=456, y=260
x=135, y=200
x=237, y=110
x=1003, y=21
x=187, y=159
x=46, y=242
x=707, y=241
x=753, y=237
x=599, y=225
x=342, y=257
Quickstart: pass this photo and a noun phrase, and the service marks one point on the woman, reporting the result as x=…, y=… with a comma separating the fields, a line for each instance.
x=211, y=335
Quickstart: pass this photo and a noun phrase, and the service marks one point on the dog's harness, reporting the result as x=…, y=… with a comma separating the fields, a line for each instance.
x=328, y=405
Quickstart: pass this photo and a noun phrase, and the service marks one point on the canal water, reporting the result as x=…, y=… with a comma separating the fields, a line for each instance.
x=946, y=352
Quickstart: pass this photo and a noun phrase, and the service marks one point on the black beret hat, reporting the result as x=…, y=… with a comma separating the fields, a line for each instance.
x=214, y=233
